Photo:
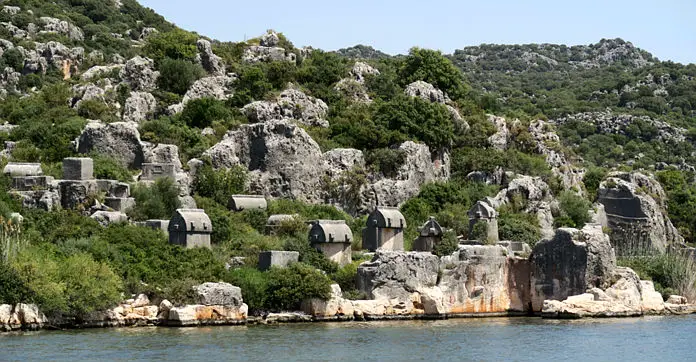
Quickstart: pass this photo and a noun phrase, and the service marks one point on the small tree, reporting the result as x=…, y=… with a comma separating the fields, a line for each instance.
x=158, y=201
x=177, y=76
x=220, y=185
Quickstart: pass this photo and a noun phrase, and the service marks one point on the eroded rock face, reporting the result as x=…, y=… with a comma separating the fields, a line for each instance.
x=628, y=296
x=139, y=107
x=283, y=160
x=291, y=104
x=210, y=62
x=140, y=74
x=537, y=196
x=421, y=166
x=258, y=54
x=474, y=279
x=634, y=204
x=218, y=87
x=571, y=263
x=119, y=140
x=548, y=145
x=53, y=25
x=499, y=140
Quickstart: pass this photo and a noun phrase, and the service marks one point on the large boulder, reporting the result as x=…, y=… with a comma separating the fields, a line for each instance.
x=224, y=294
x=208, y=60
x=361, y=70
x=119, y=140
x=140, y=106
x=140, y=74
x=283, y=160
x=291, y=104
x=421, y=166
x=571, y=263
x=634, y=205
x=393, y=274
x=218, y=87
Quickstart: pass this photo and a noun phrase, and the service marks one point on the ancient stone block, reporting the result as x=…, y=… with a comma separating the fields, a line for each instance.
x=23, y=169
x=78, y=169
x=31, y=183
x=121, y=204
x=280, y=259
x=155, y=171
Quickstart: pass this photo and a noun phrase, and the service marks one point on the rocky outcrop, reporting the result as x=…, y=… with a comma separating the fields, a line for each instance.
x=208, y=60
x=139, y=107
x=475, y=279
x=571, y=263
x=608, y=122
x=98, y=71
x=421, y=166
x=140, y=74
x=428, y=92
x=21, y=317
x=218, y=87
x=354, y=87
x=9, y=80
x=499, y=140
x=634, y=205
x=535, y=195
x=283, y=160
x=291, y=104
x=119, y=140
x=627, y=297
x=62, y=27
x=548, y=144
x=336, y=308
x=257, y=54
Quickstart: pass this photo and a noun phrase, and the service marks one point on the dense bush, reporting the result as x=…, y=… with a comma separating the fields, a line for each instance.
x=157, y=201
x=448, y=245
x=177, y=44
x=201, y=113
x=518, y=227
x=177, y=76
x=574, y=210
x=672, y=272
x=220, y=185
x=288, y=287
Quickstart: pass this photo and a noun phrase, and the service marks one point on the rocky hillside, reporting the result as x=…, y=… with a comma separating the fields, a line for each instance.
x=549, y=136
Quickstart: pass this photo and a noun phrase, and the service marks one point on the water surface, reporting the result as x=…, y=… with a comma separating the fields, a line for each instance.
x=511, y=339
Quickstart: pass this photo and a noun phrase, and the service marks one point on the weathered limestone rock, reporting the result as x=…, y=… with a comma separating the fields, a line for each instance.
x=570, y=264
x=141, y=301
x=221, y=294
x=258, y=54
x=548, y=144
x=21, y=316
x=499, y=140
x=537, y=196
x=334, y=308
x=218, y=87
x=210, y=62
x=119, y=140
x=634, y=205
x=99, y=71
x=396, y=275
x=421, y=166
x=292, y=104
x=283, y=160
x=361, y=70
x=428, y=92
x=139, y=107
x=353, y=90
x=627, y=297
x=270, y=39
x=193, y=315
x=676, y=299
x=53, y=25
x=106, y=218
x=140, y=74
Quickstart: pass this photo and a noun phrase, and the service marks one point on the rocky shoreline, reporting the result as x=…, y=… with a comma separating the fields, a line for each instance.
x=573, y=275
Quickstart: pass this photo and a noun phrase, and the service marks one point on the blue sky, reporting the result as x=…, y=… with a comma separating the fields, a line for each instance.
x=666, y=28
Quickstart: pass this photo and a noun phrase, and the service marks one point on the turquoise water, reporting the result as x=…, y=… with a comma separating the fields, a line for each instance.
x=510, y=339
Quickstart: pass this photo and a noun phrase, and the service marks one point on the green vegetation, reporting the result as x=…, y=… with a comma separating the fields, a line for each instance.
x=157, y=201
x=674, y=273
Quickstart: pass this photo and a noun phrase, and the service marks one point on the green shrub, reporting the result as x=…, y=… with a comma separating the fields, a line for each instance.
x=448, y=245
x=347, y=277
x=201, y=113
x=220, y=185
x=672, y=272
x=13, y=289
x=254, y=285
x=288, y=287
x=107, y=168
x=309, y=255
x=177, y=44
x=177, y=76
x=518, y=227
x=593, y=178
x=385, y=160
x=574, y=210
x=95, y=109
x=433, y=67
x=158, y=201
